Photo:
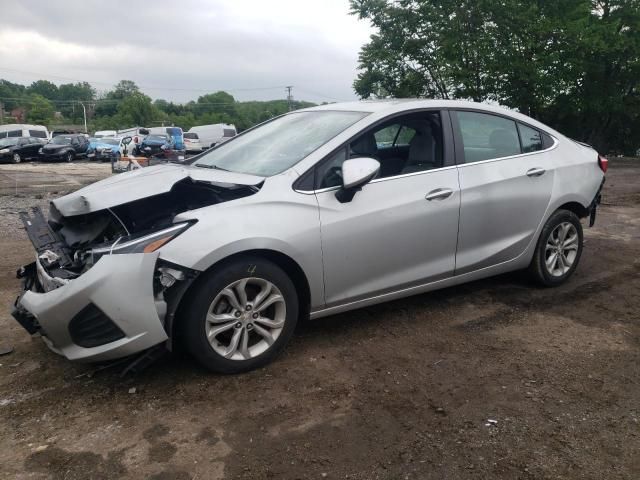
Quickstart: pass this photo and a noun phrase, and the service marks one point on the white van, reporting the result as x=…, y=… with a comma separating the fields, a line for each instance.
x=24, y=130
x=211, y=135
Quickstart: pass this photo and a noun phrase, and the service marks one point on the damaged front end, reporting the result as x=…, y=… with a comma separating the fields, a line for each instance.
x=98, y=289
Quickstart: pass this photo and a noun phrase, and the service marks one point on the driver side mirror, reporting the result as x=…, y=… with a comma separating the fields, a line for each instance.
x=126, y=140
x=356, y=172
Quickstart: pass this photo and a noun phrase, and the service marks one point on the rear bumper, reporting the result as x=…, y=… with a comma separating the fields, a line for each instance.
x=118, y=286
x=593, y=206
x=193, y=148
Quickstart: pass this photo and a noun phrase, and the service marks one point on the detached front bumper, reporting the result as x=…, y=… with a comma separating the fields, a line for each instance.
x=108, y=312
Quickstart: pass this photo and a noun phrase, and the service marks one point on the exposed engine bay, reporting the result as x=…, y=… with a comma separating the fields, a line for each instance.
x=69, y=246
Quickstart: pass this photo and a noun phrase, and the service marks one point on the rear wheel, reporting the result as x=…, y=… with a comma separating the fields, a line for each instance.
x=558, y=250
x=241, y=315
x=17, y=158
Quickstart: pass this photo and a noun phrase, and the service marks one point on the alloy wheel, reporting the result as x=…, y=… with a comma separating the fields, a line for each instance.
x=245, y=318
x=561, y=249
x=16, y=158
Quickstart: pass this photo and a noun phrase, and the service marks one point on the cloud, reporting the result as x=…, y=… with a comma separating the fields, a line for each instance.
x=179, y=50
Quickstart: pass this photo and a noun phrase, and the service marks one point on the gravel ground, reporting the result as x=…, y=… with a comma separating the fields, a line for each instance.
x=27, y=185
x=493, y=379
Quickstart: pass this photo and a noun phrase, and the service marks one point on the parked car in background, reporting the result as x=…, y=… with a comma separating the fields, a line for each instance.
x=65, y=148
x=17, y=149
x=175, y=133
x=24, y=130
x=192, y=143
x=312, y=213
x=154, y=145
x=108, y=149
x=105, y=133
x=212, y=135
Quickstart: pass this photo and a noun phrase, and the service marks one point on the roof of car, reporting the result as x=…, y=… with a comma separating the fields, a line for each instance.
x=393, y=104
x=390, y=106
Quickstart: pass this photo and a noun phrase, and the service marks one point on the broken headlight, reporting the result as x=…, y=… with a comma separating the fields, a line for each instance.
x=147, y=243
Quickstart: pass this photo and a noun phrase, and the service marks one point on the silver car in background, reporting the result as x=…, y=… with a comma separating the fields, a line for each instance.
x=316, y=212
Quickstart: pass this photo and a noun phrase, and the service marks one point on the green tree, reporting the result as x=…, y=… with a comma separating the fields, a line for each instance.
x=107, y=104
x=572, y=63
x=44, y=88
x=40, y=110
x=12, y=94
x=138, y=109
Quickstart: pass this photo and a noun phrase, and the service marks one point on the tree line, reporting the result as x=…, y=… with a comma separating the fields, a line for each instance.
x=572, y=64
x=126, y=106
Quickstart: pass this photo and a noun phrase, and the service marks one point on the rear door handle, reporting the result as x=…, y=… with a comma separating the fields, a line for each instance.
x=535, y=172
x=439, y=194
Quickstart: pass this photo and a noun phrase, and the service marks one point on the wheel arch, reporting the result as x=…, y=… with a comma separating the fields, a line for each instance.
x=576, y=207
x=288, y=264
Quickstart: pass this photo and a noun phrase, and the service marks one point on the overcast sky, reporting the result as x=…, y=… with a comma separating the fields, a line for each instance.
x=180, y=49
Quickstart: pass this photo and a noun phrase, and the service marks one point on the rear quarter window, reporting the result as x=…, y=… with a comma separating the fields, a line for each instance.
x=531, y=139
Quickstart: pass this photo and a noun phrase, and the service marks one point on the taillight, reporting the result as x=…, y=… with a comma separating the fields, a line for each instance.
x=603, y=163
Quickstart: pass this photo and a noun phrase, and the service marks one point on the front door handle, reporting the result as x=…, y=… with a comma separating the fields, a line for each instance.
x=535, y=172
x=439, y=194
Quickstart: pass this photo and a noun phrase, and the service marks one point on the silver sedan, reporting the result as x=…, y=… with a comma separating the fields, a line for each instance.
x=315, y=212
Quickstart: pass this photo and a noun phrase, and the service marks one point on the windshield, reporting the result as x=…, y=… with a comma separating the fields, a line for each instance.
x=8, y=142
x=61, y=140
x=191, y=136
x=279, y=144
x=110, y=141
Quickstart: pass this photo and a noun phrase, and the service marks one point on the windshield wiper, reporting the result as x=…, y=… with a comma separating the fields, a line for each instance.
x=215, y=167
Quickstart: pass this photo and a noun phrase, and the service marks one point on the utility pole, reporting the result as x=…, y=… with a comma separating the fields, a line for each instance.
x=84, y=112
x=1, y=113
x=289, y=96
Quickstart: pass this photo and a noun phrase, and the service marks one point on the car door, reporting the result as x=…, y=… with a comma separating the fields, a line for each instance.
x=506, y=179
x=400, y=230
x=22, y=147
x=33, y=147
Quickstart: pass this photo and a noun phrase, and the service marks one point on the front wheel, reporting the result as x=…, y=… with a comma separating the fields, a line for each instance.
x=69, y=157
x=241, y=315
x=16, y=158
x=558, y=250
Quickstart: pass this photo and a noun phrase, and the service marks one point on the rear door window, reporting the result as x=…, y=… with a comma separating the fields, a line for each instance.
x=486, y=136
x=15, y=133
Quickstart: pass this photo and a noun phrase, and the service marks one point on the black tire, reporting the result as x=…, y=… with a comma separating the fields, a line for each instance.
x=68, y=157
x=16, y=158
x=538, y=268
x=193, y=316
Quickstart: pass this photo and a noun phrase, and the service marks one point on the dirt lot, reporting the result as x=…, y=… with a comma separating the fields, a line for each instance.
x=402, y=390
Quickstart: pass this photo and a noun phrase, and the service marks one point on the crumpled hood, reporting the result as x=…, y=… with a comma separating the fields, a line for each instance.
x=104, y=146
x=146, y=182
